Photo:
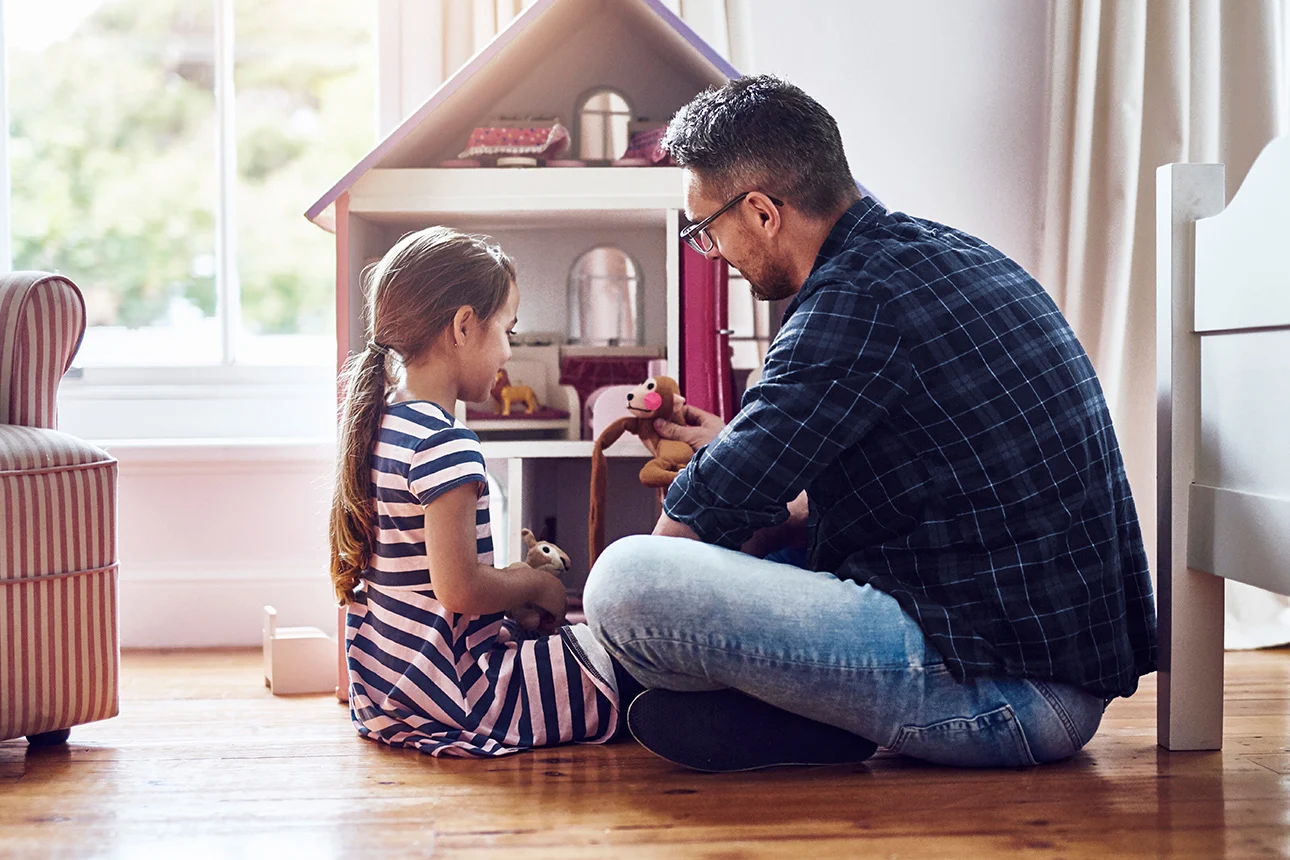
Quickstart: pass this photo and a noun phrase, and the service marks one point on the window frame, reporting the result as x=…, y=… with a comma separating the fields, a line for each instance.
x=257, y=392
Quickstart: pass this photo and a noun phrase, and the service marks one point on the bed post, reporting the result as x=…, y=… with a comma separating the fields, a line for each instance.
x=1189, y=709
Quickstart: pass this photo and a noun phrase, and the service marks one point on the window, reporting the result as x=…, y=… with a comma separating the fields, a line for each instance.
x=161, y=154
x=603, y=126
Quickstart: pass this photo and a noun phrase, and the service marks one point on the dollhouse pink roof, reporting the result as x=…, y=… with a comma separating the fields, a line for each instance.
x=511, y=62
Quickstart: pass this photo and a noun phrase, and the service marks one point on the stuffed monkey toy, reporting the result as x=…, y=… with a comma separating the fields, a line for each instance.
x=657, y=397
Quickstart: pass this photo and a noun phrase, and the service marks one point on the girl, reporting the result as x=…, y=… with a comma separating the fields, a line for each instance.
x=430, y=664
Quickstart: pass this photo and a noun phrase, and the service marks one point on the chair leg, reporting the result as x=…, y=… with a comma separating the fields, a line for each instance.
x=49, y=739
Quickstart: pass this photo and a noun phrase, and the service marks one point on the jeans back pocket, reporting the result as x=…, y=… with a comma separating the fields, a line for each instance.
x=992, y=739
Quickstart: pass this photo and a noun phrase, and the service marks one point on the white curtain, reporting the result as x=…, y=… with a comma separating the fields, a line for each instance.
x=1134, y=85
x=421, y=43
x=726, y=25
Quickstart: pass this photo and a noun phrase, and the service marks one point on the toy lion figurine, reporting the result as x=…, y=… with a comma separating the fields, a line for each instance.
x=657, y=397
x=508, y=395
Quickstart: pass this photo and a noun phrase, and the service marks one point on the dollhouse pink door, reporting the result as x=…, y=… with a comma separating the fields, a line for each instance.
x=705, y=376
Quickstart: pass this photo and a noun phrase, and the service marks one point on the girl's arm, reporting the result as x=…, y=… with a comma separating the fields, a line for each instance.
x=464, y=585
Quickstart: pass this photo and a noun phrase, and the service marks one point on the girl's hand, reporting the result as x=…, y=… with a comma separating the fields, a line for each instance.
x=551, y=598
x=545, y=610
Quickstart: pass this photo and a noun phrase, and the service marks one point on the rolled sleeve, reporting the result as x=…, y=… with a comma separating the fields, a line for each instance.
x=834, y=372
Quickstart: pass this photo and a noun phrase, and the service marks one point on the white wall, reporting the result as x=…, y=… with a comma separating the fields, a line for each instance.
x=941, y=104
x=941, y=109
x=209, y=533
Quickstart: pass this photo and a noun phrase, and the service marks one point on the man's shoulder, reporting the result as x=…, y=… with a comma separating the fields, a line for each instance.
x=896, y=252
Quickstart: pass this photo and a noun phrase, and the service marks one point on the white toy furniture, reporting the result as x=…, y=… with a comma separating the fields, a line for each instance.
x=1223, y=407
x=297, y=659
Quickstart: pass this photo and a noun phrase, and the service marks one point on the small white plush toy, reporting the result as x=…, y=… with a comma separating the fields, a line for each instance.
x=543, y=555
x=540, y=555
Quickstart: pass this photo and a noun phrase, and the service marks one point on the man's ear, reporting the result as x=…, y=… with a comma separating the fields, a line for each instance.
x=768, y=215
x=462, y=321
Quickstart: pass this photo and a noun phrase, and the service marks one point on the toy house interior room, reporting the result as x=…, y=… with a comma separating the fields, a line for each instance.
x=200, y=203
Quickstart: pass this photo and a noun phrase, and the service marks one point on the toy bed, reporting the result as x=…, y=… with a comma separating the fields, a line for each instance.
x=1223, y=420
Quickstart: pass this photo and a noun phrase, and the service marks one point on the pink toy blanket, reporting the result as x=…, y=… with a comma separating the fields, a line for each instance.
x=542, y=140
x=648, y=144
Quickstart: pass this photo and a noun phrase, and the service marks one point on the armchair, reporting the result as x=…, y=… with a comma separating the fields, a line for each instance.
x=59, y=652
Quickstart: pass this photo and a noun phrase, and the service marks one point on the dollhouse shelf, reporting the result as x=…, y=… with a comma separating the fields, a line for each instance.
x=522, y=194
x=559, y=449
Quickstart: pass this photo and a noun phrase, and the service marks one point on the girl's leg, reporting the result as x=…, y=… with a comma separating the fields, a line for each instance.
x=682, y=615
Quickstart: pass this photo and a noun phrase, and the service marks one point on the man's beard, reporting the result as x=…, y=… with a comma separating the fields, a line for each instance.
x=771, y=284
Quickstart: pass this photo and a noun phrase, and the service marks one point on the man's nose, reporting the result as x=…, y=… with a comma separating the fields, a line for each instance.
x=714, y=254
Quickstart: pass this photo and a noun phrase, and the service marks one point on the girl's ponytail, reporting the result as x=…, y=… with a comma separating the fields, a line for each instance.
x=352, y=513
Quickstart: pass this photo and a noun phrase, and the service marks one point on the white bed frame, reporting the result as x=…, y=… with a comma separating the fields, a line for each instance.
x=1223, y=420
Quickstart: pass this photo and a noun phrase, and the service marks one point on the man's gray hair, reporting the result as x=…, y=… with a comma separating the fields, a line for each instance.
x=761, y=133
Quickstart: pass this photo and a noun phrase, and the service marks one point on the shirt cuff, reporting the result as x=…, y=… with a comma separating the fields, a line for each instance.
x=714, y=521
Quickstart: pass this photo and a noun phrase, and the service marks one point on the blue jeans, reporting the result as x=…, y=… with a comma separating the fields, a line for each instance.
x=684, y=615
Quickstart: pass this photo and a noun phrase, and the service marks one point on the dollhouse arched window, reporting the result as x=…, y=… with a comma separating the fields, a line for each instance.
x=603, y=118
x=604, y=299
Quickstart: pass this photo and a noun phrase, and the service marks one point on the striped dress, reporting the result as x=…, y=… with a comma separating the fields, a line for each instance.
x=421, y=676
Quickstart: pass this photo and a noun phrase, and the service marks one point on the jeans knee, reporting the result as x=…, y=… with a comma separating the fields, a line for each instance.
x=626, y=582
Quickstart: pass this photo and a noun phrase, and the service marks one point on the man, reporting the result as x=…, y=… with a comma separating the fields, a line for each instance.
x=974, y=588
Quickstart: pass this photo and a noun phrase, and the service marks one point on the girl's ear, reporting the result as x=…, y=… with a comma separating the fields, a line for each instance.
x=462, y=321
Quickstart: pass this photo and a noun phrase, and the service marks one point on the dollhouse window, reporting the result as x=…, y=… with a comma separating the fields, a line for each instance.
x=604, y=299
x=603, y=118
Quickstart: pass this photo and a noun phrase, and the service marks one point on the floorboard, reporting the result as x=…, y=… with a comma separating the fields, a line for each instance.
x=204, y=762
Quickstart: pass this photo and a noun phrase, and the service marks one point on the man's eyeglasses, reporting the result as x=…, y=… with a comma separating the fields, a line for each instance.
x=696, y=235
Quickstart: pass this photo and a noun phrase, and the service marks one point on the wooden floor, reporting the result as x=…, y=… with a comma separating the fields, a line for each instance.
x=203, y=762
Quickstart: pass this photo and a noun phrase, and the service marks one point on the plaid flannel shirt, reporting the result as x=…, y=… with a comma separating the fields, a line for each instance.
x=957, y=452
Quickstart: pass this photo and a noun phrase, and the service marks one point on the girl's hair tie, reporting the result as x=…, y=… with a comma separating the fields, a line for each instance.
x=379, y=348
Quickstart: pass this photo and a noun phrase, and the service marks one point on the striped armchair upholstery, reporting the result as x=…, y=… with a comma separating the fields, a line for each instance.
x=59, y=652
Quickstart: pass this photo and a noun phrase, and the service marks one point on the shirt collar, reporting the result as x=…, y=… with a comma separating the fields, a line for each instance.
x=863, y=212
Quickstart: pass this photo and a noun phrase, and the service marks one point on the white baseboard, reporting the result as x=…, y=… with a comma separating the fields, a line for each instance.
x=200, y=607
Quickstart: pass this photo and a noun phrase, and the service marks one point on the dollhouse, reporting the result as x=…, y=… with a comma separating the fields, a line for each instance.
x=546, y=141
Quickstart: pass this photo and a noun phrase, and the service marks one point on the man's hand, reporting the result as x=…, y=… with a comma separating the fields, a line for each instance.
x=700, y=427
x=668, y=527
x=791, y=532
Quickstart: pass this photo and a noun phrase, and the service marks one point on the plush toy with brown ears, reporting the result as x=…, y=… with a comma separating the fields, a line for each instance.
x=542, y=555
x=657, y=397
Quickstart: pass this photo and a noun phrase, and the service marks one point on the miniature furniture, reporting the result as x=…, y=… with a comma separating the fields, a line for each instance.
x=297, y=659
x=1223, y=407
x=58, y=565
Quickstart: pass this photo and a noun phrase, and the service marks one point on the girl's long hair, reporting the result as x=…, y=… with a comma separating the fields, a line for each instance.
x=413, y=294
